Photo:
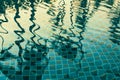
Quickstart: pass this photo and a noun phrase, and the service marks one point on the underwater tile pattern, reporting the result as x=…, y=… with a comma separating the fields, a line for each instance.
x=59, y=40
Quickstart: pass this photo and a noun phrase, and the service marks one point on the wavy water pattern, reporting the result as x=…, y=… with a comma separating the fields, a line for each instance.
x=18, y=32
x=59, y=39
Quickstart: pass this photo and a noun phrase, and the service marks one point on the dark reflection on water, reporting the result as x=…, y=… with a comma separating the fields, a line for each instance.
x=95, y=7
x=38, y=51
x=2, y=6
x=115, y=28
x=110, y=2
x=80, y=23
x=2, y=21
x=47, y=1
x=2, y=10
x=32, y=18
x=97, y=3
x=5, y=31
x=58, y=20
x=33, y=60
x=5, y=54
x=71, y=20
x=68, y=27
x=63, y=45
x=18, y=32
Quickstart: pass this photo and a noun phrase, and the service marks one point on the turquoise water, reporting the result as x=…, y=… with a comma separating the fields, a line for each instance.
x=59, y=40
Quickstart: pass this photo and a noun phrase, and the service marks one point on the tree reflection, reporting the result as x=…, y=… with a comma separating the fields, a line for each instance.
x=5, y=31
x=58, y=20
x=31, y=60
x=4, y=53
x=110, y=2
x=115, y=28
x=95, y=7
x=47, y=1
x=2, y=6
x=80, y=23
x=2, y=21
x=18, y=32
x=65, y=46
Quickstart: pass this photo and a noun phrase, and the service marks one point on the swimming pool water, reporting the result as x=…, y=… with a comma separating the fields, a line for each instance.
x=59, y=40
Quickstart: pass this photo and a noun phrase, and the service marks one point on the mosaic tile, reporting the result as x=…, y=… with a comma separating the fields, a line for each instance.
x=59, y=40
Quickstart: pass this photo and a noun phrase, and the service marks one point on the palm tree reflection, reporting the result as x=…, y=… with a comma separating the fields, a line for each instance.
x=110, y=2
x=65, y=46
x=80, y=24
x=95, y=7
x=36, y=53
x=2, y=21
x=115, y=28
x=5, y=54
x=58, y=20
x=2, y=6
x=3, y=12
x=31, y=60
x=18, y=32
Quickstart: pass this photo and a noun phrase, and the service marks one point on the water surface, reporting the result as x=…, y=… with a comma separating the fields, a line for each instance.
x=60, y=39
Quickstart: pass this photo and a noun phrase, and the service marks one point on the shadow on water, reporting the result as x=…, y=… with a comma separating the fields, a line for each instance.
x=115, y=28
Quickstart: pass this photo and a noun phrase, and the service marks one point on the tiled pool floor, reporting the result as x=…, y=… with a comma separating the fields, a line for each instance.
x=59, y=40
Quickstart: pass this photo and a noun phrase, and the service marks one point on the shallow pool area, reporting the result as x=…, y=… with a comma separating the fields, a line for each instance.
x=59, y=40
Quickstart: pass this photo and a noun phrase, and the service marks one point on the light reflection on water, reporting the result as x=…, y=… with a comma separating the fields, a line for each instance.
x=37, y=34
